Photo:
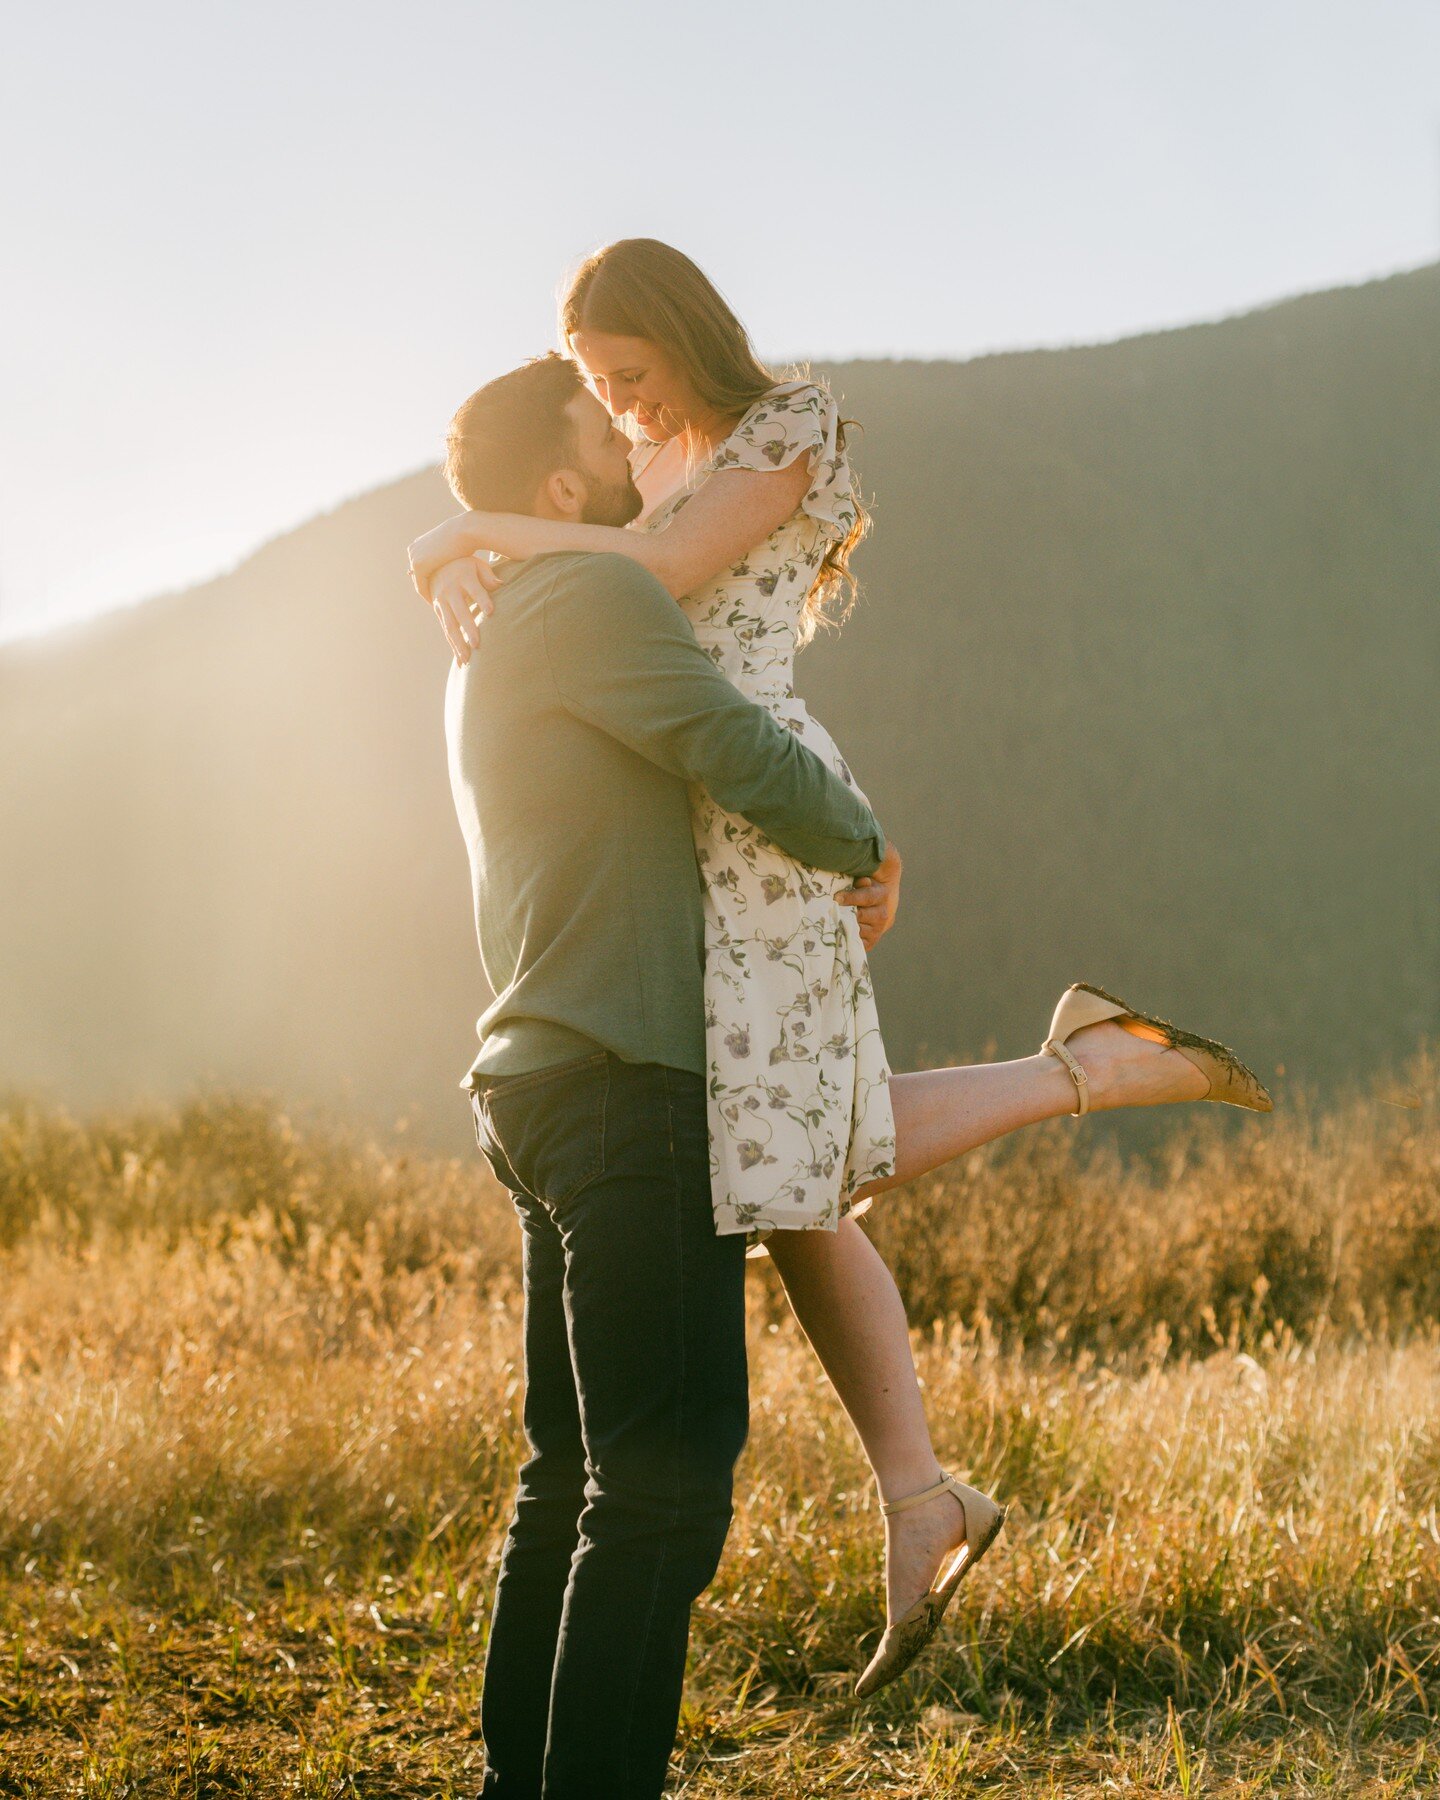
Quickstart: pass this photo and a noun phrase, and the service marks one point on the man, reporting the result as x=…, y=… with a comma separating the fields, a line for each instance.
x=572, y=736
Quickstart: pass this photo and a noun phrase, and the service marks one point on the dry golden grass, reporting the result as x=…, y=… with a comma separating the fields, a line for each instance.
x=258, y=1427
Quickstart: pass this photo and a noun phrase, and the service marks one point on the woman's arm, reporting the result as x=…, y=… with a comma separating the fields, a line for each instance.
x=730, y=513
x=461, y=597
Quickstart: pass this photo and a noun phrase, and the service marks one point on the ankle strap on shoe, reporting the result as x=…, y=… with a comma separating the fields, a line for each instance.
x=946, y=1484
x=1077, y=1075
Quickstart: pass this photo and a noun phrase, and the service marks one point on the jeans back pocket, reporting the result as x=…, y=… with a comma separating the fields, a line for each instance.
x=549, y=1127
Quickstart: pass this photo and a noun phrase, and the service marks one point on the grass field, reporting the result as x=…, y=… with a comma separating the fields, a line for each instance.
x=258, y=1427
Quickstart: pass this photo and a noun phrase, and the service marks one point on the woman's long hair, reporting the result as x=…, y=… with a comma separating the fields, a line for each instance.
x=639, y=287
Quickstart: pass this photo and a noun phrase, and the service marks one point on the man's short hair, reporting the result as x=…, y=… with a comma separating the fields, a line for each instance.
x=511, y=434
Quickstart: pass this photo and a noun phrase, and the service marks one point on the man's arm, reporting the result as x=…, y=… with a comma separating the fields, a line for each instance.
x=624, y=658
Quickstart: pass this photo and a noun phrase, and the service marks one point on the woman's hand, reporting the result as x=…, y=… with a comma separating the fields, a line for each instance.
x=449, y=541
x=461, y=597
x=876, y=898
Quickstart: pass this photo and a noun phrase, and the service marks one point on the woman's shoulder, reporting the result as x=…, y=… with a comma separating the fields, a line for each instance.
x=796, y=414
x=798, y=396
x=802, y=385
x=798, y=418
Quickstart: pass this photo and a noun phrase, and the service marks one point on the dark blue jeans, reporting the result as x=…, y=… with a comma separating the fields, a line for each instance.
x=636, y=1407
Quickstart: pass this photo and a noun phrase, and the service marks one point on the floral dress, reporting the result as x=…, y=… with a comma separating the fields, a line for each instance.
x=798, y=1083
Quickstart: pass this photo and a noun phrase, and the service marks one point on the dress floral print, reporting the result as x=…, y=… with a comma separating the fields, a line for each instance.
x=798, y=1083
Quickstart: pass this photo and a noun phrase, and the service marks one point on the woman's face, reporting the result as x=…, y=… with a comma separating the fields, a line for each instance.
x=632, y=375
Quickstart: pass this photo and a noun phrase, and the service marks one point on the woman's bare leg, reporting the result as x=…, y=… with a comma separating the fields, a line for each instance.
x=942, y=1113
x=850, y=1309
x=846, y=1299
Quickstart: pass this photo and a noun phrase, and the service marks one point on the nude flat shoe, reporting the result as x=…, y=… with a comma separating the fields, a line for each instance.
x=1081, y=1005
x=907, y=1637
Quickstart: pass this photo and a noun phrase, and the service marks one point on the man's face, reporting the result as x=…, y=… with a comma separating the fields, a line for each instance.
x=602, y=460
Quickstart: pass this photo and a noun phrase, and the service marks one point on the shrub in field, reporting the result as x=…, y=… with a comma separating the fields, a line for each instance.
x=1228, y=1233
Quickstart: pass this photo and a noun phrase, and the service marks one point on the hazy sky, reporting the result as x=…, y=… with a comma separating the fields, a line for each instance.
x=255, y=254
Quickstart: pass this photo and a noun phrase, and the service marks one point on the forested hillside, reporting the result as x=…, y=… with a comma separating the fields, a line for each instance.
x=1144, y=682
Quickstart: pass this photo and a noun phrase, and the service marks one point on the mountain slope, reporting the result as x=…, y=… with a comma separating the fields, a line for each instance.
x=1144, y=683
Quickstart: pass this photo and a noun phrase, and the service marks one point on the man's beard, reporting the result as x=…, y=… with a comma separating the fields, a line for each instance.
x=616, y=503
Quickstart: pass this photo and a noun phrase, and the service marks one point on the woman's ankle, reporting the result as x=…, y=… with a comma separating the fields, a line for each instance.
x=910, y=1476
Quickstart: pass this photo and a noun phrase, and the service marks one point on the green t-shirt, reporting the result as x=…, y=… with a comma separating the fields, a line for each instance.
x=572, y=734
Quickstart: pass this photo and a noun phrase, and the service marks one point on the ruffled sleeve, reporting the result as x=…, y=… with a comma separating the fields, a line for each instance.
x=798, y=418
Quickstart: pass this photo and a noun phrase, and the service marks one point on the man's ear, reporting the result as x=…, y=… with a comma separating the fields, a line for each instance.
x=566, y=492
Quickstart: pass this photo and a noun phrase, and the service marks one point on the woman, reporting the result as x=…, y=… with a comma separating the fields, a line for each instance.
x=751, y=514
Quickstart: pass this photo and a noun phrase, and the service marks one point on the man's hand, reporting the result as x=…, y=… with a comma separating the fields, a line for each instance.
x=876, y=898
x=461, y=598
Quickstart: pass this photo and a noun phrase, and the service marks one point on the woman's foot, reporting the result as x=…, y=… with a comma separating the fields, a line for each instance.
x=1149, y=1069
x=1132, y=1065
x=918, y=1544
x=934, y=1536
